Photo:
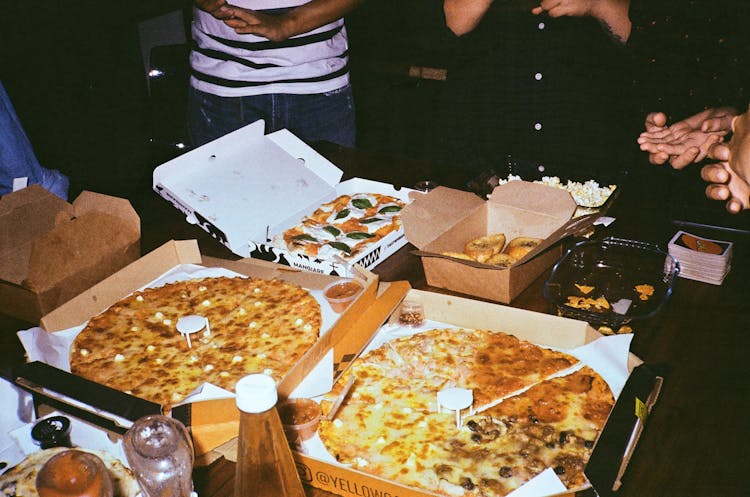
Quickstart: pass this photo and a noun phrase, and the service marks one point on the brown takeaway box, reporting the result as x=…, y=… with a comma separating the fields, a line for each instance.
x=50, y=250
x=445, y=219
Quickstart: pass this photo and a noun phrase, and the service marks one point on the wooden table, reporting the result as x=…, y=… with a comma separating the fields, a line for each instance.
x=694, y=443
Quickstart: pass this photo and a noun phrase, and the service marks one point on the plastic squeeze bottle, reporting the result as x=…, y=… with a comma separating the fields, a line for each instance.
x=265, y=467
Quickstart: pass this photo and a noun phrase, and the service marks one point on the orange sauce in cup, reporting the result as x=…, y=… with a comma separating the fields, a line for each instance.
x=343, y=290
x=341, y=294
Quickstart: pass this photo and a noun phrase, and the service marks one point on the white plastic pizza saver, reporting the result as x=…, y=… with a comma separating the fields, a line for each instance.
x=187, y=325
x=455, y=399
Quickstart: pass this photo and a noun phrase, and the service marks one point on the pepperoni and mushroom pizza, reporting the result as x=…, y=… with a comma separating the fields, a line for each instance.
x=533, y=408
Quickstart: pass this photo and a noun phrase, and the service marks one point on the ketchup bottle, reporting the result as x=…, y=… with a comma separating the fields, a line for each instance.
x=265, y=467
x=74, y=473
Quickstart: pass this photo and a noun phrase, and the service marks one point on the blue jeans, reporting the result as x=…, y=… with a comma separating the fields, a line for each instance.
x=316, y=117
x=17, y=158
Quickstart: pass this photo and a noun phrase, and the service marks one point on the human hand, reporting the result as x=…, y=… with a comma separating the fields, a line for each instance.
x=217, y=8
x=727, y=185
x=272, y=27
x=730, y=178
x=685, y=141
x=560, y=8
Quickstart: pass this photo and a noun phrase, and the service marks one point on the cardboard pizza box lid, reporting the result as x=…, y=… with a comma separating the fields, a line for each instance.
x=243, y=185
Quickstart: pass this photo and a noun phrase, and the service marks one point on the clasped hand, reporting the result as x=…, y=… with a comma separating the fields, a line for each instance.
x=702, y=136
x=246, y=21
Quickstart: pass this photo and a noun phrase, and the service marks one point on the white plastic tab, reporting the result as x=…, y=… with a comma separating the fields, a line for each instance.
x=187, y=325
x=455, y=399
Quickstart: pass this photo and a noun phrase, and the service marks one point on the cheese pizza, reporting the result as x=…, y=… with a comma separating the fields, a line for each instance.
x=345, y=226
x=254, y=326
x=533, y=408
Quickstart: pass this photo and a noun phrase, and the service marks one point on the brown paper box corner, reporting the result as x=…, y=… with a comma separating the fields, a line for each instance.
x=445, y=219
x=51, y=250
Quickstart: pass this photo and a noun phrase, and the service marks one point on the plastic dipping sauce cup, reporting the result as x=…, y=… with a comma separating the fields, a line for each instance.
x=341, y=293
x=300, y=418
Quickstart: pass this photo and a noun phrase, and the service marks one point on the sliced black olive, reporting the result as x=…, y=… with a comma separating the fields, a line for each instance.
x=534, y=420
x=550, y=445
x=589, y=444
x=467, y=483
x=506, y=472
x=473, y=425
x=563, y=437
x=560, y=470
x=476, y=437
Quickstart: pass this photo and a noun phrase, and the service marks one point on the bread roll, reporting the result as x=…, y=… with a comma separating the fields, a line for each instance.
x=482, y=248
x=501, y=259
x=520, y=246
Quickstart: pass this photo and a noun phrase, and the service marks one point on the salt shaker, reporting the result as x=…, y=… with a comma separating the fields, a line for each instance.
x=160, y=453
x=265, y=466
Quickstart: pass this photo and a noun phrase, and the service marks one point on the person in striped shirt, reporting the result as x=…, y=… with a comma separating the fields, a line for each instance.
x=283, y=61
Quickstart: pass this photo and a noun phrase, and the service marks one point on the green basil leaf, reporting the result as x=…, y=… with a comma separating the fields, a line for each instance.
x=332, y=230
x=306, y=237
x=342, y=214
x=370, y=220
x=361, y=203
x=389, y=208
x=341, y=246
x=359, y=235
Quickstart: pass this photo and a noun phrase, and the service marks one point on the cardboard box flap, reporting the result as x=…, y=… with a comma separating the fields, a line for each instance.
x=300, y=150
x=119, y=208
x=26, y=214
x=93, y=301
x=246, y=172
x=429, y=215
x=535, y=197
x=86, y=241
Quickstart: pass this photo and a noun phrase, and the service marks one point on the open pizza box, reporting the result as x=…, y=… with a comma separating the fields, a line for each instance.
x=211, y=414
x=51, y=250
x=246, y=188
x=445, y=219
x=636, y=387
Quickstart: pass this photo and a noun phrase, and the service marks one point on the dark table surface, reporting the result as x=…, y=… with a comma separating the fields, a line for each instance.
x=696, y=440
